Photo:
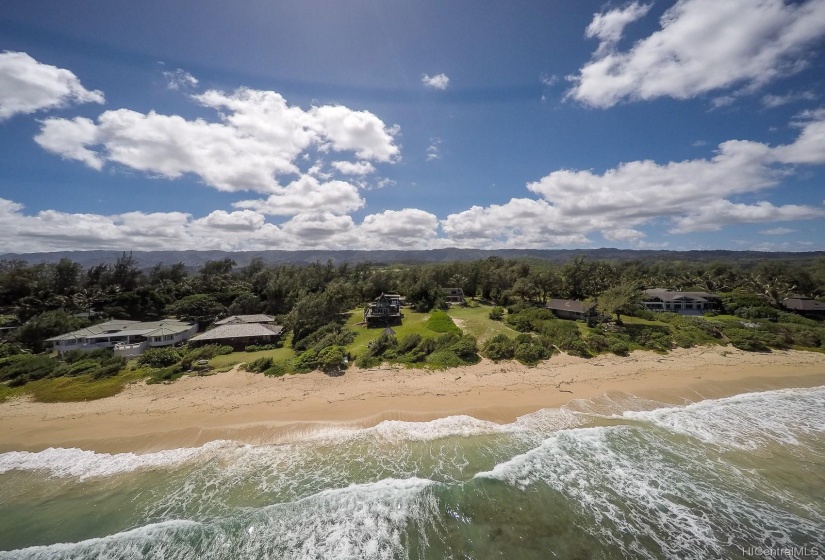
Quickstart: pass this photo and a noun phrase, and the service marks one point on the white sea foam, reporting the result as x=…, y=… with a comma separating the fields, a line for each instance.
x=368, y=521
x=83, y=464
x=639, y=488
x=73, y=462
x=746, y=421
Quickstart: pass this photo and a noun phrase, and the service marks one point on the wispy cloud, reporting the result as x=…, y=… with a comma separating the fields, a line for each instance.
x=777, y=231
x=180, y=79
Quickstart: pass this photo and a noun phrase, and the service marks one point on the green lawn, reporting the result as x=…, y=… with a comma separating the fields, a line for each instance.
x=412, y=323
x=475, y=321
x=227, y=361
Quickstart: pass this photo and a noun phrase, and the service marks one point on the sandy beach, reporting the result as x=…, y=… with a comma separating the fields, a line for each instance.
x=257, y=409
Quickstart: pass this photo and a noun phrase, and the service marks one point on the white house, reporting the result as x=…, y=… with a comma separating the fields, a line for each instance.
x=128, y=338
x=686, y=303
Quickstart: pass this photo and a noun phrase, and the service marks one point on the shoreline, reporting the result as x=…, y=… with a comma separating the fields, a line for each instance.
x=255, y=409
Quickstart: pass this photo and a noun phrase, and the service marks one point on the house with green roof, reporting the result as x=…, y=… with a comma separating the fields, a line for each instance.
x=127, y=338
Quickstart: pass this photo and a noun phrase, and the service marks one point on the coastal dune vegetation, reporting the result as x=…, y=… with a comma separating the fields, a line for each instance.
x=321, y=308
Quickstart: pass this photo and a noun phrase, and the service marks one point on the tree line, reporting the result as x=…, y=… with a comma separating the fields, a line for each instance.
x=50, y=299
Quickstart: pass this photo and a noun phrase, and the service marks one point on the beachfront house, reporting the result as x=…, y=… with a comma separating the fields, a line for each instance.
x=805, y=306
x=240, y=334
x=246, y=319
x=684, y=303
x=453, y=296
x=127, y=338
x=384, y=311
x=572, y=309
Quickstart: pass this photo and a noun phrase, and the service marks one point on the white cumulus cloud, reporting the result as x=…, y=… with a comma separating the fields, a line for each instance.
x=439, y=81
x=702, y=46
x=257, y=138
x=27, y=86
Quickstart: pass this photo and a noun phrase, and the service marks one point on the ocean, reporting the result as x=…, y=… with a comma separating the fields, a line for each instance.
x=615, y=477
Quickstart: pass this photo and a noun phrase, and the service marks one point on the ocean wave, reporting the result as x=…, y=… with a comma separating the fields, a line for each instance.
x=747, y=421
x=649, y=495
x=369, y=521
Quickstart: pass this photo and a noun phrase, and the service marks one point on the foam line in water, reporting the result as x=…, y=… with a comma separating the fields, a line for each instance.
x=369, y=521
x=636, y=485
x=73, y=462
x=746, y=421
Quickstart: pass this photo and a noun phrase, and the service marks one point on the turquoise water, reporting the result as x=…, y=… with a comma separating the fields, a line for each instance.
x=741, y=477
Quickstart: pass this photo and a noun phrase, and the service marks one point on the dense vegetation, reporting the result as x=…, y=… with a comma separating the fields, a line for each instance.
x=319, y=305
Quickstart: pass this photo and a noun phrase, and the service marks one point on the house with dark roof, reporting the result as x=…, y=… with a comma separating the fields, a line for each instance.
x=127, y=338
x=807, y=307
x=384, y=311
x=684, y=303
x=572, y=309
x=240, y=335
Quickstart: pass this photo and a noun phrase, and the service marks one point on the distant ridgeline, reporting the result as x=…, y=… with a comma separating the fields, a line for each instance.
x=196, y=259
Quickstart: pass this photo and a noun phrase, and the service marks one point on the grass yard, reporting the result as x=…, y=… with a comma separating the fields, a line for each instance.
x=412, y=323
x=475, y=321
x=228, y=361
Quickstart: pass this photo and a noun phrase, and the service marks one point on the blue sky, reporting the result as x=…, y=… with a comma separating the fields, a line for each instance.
x=697, y=124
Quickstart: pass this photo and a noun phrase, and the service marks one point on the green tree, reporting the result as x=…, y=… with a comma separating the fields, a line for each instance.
x=200, y=308
x=35, y=331
x=623, y=298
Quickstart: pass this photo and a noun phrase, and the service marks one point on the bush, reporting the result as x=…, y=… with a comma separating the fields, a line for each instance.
x=496, y=313
x=440, y=322
x=276, y=370
x=260, y=347
x=159, y=357
x=619, y=348
x=597, y=343
x=757, y=312
x=331, y=334
x=332, y=358
x=443, y=359
x=746, y=340
x=408, y=343
x=577, y=347
x=500, y=347
x=22, y=368
x=307, y=361
x=465, y=348
x=258, y=366
x=530, y=353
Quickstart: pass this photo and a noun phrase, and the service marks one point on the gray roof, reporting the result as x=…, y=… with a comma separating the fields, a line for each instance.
x=803, y=304
x=245, y=319
x=673, y=295
x=571, y=305
x=127, y=328
x=238, y=330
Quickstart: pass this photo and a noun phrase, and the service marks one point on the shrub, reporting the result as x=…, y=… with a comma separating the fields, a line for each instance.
x=276, y=370
x=465, y=348
x=577, y=347
x=500, y=347
x=332, y=358
x=530, y=353
x=306, y=361
x=159, y=357
x=22, y=368
x=10, y=349
x=747, y=340
x=367, y=361
x=408, y=343
x=597, y=343
x=757, y=312
x=331, y=334
x=443, y=359
x=260, y=347
x=258, y=366
x=619, y=348
x=496, y=313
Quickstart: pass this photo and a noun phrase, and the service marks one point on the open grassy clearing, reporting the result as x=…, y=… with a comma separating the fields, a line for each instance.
x=228, y=361
x=74, y=389
x=475, y=321
x=412, y=323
